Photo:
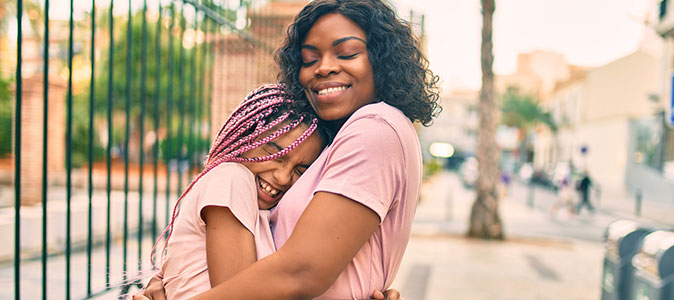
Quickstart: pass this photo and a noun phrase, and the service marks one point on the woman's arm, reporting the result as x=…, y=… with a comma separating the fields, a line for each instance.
x=328, y=235
x=230, y=247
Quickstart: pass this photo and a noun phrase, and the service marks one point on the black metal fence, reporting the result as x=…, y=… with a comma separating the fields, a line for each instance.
x=114, y=107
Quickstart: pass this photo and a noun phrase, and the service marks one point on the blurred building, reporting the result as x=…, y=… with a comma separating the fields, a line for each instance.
x=537, y=73
x=456, y=125
x=601, y=113
x=240, y=64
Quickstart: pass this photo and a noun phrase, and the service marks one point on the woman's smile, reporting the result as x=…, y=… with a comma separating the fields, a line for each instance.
x=324, y=93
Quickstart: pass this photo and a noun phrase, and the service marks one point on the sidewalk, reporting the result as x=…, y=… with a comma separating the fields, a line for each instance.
x=543, y=257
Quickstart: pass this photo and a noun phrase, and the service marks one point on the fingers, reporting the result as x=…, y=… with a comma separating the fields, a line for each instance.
x=154, y=290
x=153, y=294
x=377, y=294
x=392, y=294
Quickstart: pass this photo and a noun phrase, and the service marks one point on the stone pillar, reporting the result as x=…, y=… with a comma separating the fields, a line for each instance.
x=32, y=135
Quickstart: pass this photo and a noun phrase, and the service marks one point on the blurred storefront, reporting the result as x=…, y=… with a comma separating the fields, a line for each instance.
x=607, y=120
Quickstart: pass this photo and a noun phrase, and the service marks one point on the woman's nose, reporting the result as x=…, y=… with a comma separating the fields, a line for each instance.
x=326, y=66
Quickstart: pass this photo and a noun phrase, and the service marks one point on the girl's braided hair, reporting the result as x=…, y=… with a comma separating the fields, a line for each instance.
x=262, y=110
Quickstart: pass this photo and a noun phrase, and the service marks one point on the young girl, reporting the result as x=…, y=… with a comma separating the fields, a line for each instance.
x=220, y=224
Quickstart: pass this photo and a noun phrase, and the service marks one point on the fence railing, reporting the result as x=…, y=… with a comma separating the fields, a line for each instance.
x=114, y=107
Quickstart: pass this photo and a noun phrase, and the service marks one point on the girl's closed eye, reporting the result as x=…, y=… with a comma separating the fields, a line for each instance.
x=300, y=171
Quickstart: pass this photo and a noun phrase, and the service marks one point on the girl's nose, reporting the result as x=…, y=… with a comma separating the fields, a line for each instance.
x=283, y=176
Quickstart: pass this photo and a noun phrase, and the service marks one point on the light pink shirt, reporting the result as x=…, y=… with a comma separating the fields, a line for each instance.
x=228, y=185
x=375, y=160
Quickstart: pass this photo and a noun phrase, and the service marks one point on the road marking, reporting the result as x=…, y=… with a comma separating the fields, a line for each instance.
x=542, y=270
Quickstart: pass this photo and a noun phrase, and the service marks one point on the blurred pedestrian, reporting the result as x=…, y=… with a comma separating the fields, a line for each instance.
x=583, y=188
x=564, y=198
x=504, y=186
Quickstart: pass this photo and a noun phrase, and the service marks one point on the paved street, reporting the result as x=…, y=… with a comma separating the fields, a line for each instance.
x=543, y=257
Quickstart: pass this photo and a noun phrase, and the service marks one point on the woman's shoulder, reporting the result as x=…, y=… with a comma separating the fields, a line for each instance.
x=381, y=110
x=380, y=118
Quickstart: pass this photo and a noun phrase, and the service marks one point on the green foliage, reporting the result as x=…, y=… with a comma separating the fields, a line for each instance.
x=180, y=84
x=432, y=167
x=187, y=82
x=523, y=111
x=167, y=154
x=5, y=117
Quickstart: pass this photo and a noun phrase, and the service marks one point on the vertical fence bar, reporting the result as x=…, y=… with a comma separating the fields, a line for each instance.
x=108, y=233
x=181, y=99
x=129, y=43
x=209, y=75
x=155, y=147
x=91, y=145
x=199, y=100
x=17, y=154
x=169, y=114
x=69, y=136
x=143, y=77
x=223, y=79
x=203, y=92
x=192, y=97
x=45, y=138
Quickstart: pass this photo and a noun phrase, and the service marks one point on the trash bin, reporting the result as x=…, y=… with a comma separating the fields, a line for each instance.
x=654, y=267
x=622, y=241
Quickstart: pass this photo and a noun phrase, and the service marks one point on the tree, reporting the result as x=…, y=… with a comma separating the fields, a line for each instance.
x=6, y=108
x=485, y=221
x=523, y=112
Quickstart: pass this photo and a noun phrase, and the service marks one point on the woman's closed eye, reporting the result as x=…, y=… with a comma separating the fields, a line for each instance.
x=350, y=56
x=308, y=64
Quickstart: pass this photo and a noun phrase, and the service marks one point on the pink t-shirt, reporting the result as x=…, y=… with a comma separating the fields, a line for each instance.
x=374, y=160
x=228, y=185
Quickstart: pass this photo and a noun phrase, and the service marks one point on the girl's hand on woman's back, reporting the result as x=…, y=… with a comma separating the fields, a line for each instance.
x=390, y=294
x=153, y=291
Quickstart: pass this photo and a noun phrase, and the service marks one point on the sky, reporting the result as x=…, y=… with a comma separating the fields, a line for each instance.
x=586, y=32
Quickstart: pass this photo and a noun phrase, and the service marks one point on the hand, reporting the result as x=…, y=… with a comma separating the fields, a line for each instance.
x=390, y=294
x=153, y=291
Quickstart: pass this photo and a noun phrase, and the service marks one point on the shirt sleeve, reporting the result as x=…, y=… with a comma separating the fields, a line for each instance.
x=233, y=186
x=365, y=164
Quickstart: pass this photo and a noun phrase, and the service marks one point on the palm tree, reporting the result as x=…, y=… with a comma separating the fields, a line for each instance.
x=522, y=111
x=485, y=221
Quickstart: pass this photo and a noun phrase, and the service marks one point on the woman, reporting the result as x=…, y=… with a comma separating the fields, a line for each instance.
x=342, y=229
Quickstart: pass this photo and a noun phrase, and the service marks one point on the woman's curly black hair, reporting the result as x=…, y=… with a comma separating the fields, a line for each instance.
x=401, y=75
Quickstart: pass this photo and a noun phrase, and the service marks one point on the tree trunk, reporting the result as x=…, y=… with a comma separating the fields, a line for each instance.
x=485, y=221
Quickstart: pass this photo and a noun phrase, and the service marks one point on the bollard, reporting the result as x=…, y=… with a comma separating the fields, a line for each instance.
x=530, y=194
x=637, y=205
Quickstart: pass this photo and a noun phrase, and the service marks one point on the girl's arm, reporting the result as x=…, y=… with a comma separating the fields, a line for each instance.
x=230, y=247
x=328, y=235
